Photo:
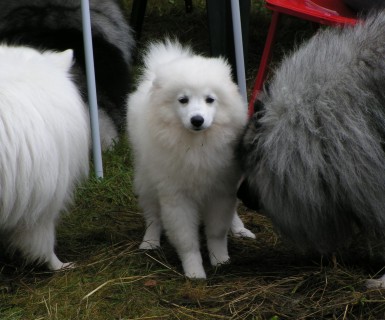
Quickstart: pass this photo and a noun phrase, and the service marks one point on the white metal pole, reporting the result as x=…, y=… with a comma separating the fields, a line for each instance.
x=238, y=44
x=91, y=85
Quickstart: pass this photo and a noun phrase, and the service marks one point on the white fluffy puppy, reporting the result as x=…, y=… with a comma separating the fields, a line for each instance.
x=184, y=120
x=44, y=134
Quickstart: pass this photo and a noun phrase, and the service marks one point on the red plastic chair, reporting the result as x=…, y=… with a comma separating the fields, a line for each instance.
x=327, y=12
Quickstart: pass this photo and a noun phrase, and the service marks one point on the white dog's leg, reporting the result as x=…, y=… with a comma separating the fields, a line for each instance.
x=192, y=264
x=151, y=239
x=217, y=224
x=37, y=244
x=181, y=222
x=238, y=229
x=376, y=283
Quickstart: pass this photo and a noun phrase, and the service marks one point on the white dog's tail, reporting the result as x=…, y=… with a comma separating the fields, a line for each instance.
x=163, y=52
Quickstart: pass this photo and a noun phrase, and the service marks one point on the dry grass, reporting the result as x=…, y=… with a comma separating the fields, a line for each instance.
x=267, y=278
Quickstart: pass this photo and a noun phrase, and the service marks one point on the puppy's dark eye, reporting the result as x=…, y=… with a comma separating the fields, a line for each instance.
x=209, y=100
x=183, y=100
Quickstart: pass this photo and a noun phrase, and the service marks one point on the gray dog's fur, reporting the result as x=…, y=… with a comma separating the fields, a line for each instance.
x=314, y=153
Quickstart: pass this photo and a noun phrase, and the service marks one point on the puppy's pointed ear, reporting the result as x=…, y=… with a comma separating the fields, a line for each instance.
x=63, y=60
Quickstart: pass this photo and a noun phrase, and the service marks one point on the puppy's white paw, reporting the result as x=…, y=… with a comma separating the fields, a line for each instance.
x=242, y=233
x=194, y=272
x=149, y=245
x=54, y=264
x=68, y=265
x=192, y=265
x=201, y=274
x=217, y=260
x=238, y=230
x=376, y=283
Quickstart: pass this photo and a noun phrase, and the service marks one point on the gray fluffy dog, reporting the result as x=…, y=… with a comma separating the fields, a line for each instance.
x=313, y=153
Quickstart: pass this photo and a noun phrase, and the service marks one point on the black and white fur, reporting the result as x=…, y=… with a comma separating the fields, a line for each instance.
x=57, y=25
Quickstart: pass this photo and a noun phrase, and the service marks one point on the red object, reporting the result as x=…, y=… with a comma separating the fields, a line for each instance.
x=327, y=12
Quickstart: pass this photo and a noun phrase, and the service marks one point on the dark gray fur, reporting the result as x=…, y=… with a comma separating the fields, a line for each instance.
x=314, y=156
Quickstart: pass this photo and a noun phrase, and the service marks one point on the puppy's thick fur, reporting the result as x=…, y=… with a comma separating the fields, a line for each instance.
x=314, y=153
x=44, y=136
x=57, y=25
x=184, y=121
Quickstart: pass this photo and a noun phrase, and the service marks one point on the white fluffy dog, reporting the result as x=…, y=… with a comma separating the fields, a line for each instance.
x=44, y=135
x=184, y=120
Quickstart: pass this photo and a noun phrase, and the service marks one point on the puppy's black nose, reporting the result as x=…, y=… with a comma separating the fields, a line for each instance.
x=197, y=121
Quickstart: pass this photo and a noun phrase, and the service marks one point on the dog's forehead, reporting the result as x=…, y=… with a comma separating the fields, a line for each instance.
x=195, y=76
x=194, y=66
x=197, y=91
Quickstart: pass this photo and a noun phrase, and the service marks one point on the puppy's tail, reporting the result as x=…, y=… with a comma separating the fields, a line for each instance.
x=162, y=52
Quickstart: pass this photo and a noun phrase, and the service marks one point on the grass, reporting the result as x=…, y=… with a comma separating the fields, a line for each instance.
x=267, y=278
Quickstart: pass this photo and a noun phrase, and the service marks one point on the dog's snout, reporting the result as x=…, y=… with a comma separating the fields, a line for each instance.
x=197, y=121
